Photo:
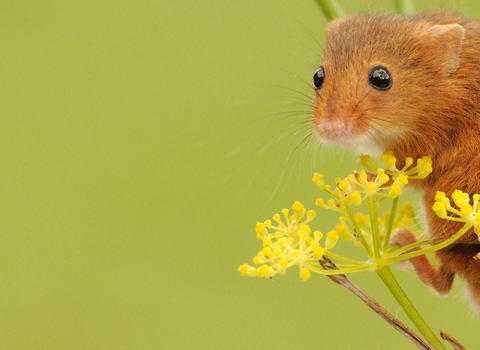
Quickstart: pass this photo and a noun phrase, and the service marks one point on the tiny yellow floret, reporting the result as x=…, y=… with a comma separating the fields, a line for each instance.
x=267, y=252
x=311, y=214
x=277, y=252
x=298, y=207
x=318, y=252
x=362, y=175
x=259, y=227
x=266, y=242
x=388, y=159
x=396, y=190
x=319, y=181
x=318, y=235
x=402, y=179
x=302, y=234
x=466, y=209
x=331, y=240
x=264, y=270
x=356, y=198
x=439, y=195
x=247, y=270
x=343, y=185
x=305, y=274
x=367, y=162
x=439, y=209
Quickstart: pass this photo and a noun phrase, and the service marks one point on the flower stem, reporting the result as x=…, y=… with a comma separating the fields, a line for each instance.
x=404, y=6
x=393, y=213
x=432, y=248
x=372, y=206
x=392, y=284
x=358, y=231
x=331, y=9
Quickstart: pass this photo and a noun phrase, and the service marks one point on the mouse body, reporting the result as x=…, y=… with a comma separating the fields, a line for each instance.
x=410, y=84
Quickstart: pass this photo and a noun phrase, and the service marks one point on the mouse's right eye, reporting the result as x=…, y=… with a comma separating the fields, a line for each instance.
x=318, y=78
x=380, y=78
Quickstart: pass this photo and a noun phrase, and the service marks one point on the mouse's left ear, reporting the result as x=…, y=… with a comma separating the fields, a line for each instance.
x=446, y=42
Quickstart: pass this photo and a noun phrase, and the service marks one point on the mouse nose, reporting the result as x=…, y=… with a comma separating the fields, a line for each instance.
x=333, y=128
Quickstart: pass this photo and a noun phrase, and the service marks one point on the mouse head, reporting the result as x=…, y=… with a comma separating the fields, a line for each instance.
x=381, y=77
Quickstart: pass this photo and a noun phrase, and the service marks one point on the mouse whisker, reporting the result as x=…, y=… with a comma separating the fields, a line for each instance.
x=307, y=97
x=360, y=102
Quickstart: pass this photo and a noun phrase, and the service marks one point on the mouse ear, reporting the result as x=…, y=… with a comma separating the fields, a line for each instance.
x=447, y=43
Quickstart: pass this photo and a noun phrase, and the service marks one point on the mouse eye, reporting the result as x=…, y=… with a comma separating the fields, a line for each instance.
x=380, y=78
x=318, y=78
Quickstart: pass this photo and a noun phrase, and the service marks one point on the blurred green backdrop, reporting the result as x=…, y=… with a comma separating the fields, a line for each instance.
x=140, y=142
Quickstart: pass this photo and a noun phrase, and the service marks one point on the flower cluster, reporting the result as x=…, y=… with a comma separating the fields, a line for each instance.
x=466, y=209
x=289, y=240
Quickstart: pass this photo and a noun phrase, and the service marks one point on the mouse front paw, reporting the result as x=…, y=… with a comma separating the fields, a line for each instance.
x=403, y=237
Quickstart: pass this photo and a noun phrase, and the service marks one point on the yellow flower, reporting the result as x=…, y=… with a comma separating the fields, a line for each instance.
x=288, y=239
x=465, y=209
x=290, y=242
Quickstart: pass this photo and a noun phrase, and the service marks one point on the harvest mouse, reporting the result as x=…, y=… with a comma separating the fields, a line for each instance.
x=410, y=84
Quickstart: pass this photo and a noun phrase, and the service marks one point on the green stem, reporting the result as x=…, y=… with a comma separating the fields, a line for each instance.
x=344, y=259
x=392, y=284
x=340, y=271
x=372, y=207
x=331, y=9
x=393, y=213
x=358, y=230
x=404, y=6
x=433, y=248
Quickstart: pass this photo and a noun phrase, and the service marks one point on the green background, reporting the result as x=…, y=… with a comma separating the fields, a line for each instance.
x=140, y=142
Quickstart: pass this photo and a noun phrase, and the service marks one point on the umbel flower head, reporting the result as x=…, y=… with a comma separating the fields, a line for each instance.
x=465, y=210
x=289, y=240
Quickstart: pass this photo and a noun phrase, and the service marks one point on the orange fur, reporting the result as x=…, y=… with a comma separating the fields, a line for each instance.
x=432, y=108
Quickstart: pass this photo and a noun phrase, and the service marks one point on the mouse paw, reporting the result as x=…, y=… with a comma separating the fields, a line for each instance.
x=401, y=238
x=440, y=279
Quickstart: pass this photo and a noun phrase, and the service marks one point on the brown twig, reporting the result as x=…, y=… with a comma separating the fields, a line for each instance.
x=327, y=264
x=454, y=342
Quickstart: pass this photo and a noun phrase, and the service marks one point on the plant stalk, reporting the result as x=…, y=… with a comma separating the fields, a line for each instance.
x=331, y=9
x=392, y=284
x=404, y=6
x=393, y=213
